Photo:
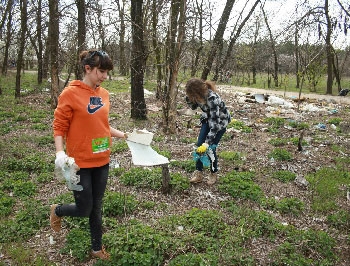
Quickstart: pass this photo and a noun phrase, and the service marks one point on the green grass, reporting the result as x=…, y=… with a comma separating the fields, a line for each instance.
x=326, y=186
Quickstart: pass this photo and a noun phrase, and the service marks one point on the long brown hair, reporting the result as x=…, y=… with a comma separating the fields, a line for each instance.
x=96, y=58
x=197, y=90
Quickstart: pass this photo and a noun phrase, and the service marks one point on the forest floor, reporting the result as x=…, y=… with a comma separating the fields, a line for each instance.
x=314, y=110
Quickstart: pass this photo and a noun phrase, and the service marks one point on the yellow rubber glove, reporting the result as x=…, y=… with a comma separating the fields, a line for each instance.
x=203, y=148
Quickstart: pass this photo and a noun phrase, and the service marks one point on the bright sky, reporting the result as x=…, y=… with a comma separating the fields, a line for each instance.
x=281, y=12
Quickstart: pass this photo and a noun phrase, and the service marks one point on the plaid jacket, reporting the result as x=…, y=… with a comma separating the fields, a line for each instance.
x=215, y=113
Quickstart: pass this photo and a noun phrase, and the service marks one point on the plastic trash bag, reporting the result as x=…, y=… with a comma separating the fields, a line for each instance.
x=207, y=158
x=68, y=173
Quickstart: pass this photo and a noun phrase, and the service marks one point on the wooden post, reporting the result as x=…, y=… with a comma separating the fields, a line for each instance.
x=165, y=179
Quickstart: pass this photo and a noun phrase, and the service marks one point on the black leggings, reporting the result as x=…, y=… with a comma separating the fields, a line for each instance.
x=88, y=202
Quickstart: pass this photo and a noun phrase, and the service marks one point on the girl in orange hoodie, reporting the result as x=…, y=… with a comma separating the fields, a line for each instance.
x=81, y=126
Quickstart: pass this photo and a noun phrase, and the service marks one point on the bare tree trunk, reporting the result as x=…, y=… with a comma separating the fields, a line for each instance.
x=254, y=48
x=8, y=36
x=218, y=38
x=156, y=47
x=53, y=51
x=176, y=34
x=329, y=49
x=81, y=35
x=200, y=45
x=40, y=43
x=273, y=47
x=296, y=45
x=138, y=104
x=123, y=68
x=165, y=179
x=22, y=41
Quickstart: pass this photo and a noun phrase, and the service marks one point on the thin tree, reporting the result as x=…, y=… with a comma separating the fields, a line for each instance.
x=123, y=69
x=174, y=45
x=329, y=48
x=198, y=43
x=8, y=37
x=81, y=6
x=22, y=41
x=156, y=47
x=218, y=38
x=53, y=39
x=273, y=48
x=138, y=104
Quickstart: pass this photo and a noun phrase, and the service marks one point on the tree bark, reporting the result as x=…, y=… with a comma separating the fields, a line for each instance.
x=329, y=49
x=199, y=45
x=53, y=51
x=218, y=38
x=8, y=11
x=274, y=52
x=22, y=41
x=81, y=35
x=123, y=69
x=156, y=47
x=176, y=33
x=138, y=104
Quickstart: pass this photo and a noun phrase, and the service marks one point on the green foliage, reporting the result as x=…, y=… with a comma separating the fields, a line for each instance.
x=253, y=223
x=116, y=171
x=239, y=125
x=25, y=223
x=278, y=141
x=43, y=141
x=275, y=122
x=77, y=244
x=290, y=206
x=207, y=222
x=240, y=185
x=119, y=146
x=339, y=220
x=187, y=165
x=194, y=259
x=165, y=153
x=37, y=162
x=280, y=155
x=231, y=156
x=43, y=178
x=24, y=189
x=335, y=121
x=136, y=244
x=21, y=255
x=298, y=246
x=298, y=125
x=6, y=204
x=178, y=182
x=117, y=204
x=295, y=141
x=326, y=185
x=143, y=177
x=284, y=175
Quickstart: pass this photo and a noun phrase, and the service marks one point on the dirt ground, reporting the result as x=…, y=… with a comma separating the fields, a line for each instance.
x=254, y=146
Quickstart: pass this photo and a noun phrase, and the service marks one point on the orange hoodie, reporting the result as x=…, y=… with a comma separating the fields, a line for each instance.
x=81, y=117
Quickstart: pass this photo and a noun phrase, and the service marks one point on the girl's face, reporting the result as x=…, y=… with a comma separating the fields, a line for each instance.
x=95, y=76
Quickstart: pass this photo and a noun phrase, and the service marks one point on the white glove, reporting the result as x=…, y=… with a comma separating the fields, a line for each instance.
x=61, y=159
x=66, y=169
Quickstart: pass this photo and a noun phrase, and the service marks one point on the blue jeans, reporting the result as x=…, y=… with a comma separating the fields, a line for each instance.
x=88, y=202
x=201, y=139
